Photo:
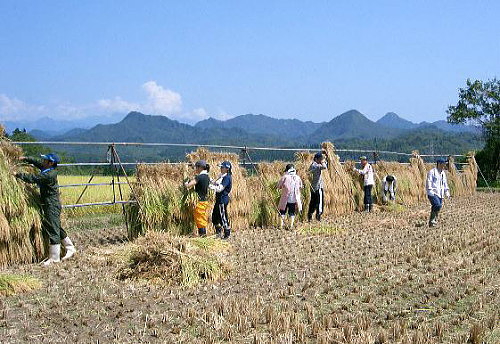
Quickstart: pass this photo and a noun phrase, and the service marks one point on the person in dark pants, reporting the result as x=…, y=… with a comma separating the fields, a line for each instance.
x=316, y=203
x=368, y=182
x=437, y=188
x=51, y=205
x=389, y=188
x=290, y=200
x=222, y=187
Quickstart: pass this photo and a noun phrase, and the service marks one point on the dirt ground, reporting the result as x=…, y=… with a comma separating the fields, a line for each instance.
x=377, y=278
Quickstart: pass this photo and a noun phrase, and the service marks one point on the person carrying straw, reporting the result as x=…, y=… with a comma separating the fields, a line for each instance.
x=200, y=183
x=50, y=205
x=290, y=185
x=222, y=187
x=317, y=195
x=368, y=182
x=437, y=187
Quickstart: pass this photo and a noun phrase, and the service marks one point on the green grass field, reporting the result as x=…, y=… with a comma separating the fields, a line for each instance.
x=93, y=194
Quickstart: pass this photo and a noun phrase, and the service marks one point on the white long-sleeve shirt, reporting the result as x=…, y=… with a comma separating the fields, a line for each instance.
x=437, y=184
x=367, y=173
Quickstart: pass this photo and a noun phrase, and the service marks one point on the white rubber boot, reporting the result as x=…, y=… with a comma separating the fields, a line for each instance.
x=282, y=221
x=70, y=248
x=54, y=255
x=292, y=220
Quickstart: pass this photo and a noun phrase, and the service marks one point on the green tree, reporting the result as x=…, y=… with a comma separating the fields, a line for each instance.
x=19, y=135
x=479, y=103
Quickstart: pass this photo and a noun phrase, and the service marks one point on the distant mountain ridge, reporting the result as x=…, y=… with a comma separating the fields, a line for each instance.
x=392, y=120
x=137, y=127
x=352, y=124
x=351, y=129
x=261, y=124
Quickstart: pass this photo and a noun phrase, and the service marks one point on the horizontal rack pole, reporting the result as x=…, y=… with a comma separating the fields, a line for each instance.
x=98, y=203
x=116, y=164
x=161, y=144
x=90, y=184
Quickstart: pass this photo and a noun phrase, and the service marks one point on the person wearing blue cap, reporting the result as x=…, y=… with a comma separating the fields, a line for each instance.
x=222, y=186
x=316, y=202
x=51, y=205
x=437, y=188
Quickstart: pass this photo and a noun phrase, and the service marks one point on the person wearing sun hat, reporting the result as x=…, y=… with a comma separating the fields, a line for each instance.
x=222, y=186
x=368, y=181
x=50, y=205
x=437, y=188
x=290, y=201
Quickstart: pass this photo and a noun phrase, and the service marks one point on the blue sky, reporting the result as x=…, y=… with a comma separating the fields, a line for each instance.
x=290, y=59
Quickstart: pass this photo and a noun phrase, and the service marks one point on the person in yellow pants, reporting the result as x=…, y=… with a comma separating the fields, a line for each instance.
x=200, y=183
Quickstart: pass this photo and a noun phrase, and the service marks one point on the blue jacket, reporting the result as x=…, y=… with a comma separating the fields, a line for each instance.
x=227, y=184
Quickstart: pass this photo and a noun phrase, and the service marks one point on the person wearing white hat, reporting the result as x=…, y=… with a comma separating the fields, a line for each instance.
x=368, y=182
x=290, y=200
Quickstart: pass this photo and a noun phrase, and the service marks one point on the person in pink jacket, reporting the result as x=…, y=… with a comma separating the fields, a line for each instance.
x=290, y=185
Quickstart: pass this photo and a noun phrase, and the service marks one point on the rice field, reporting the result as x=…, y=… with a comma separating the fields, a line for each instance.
x=383, y=277
x=93, y=194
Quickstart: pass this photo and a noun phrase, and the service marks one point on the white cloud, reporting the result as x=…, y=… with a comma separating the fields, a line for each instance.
x=117, y=104
x=13, y=108
x=160, y=100
x=223, y=115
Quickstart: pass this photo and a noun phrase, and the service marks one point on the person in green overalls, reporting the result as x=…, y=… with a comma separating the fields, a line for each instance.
x=50, y=205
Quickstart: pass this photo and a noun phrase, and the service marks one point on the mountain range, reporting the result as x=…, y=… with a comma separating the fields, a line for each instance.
x=351, y=129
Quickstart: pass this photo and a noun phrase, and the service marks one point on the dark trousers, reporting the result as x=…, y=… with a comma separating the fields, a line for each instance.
x=316, y=203
x=219, y=217
x=436, y=203
x=51, y=223
x=368, y=194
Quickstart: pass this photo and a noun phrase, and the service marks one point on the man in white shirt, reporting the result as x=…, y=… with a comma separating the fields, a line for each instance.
x=368, y=182
x=437, y=188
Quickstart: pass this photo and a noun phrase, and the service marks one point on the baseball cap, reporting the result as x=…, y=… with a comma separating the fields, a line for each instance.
x=318, y=155
x=51, y=157
x=226, y=164
x=363, y=157
x=440, y=161
x=201, y=163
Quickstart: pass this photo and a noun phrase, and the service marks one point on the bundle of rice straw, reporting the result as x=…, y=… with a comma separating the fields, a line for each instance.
x=462, y=183
x=20, y=222
x=164, y=204
x=338, y=184
x=169, y=260
x=265, y=194
x=240, y=196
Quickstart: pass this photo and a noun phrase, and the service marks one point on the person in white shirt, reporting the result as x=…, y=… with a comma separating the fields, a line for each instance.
x=389, y=187
x=437, y=188
x=368, y=181
x=290, y=200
